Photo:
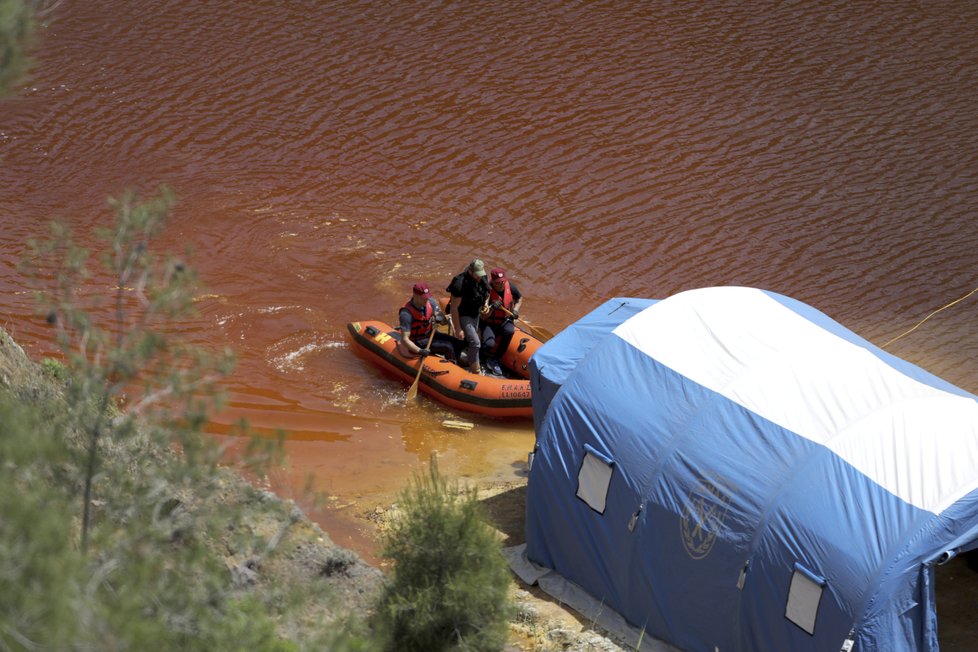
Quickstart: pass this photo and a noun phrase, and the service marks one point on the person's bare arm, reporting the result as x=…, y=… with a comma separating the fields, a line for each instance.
x=454, y=325
x=405, y=346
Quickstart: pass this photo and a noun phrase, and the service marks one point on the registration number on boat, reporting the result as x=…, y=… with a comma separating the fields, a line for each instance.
x=513, y=390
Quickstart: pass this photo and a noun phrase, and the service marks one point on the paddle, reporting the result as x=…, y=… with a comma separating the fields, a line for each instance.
x=540, y=333
x=413, y=391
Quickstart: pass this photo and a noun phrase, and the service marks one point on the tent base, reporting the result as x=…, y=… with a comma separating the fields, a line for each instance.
x=572, y=595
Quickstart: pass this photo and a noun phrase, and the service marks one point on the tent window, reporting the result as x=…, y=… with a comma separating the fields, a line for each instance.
x=803, y=597
x=594, y=478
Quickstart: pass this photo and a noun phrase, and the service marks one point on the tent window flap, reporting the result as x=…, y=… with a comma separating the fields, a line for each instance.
x=804, y=594
x=594, y=478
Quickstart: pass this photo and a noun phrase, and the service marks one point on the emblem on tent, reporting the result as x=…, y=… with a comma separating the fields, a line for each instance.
x=703, y=516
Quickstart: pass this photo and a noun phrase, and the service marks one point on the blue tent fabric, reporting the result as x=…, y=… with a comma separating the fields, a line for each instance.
x=775, y=482
x=570, y=345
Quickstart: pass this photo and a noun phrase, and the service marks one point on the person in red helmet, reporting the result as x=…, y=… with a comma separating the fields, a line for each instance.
x=417, y=318
x=497, y=325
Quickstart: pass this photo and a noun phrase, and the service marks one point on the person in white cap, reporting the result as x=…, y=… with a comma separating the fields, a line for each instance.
x=470, y=296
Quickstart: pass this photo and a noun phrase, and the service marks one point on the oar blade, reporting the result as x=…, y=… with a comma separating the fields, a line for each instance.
x=541, y=334
x=413, y=390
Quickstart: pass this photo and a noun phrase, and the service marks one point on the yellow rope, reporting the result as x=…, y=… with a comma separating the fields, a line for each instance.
x=928, y=317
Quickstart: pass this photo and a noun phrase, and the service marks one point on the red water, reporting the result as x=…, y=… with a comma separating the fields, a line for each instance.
x=328, y=155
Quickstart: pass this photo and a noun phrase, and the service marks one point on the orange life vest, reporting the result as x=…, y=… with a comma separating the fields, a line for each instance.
x=496, y=315
x=420, y=321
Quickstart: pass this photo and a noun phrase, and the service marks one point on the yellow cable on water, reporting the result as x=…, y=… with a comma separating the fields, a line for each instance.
x=928, y=317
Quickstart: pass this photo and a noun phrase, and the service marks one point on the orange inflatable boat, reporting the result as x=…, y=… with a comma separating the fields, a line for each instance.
x=447, y=382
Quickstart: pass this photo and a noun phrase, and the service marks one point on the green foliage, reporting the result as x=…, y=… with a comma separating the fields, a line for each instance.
x=54, y=369
x=16, y=28
x=40, y=569
x=450, y=582
x=106, y=535
x=127, y=351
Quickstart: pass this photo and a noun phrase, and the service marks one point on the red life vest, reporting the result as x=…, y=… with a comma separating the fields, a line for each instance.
x=420, y=321
x=496, y=315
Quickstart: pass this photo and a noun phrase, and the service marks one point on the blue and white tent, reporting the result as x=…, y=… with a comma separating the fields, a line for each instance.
x=730, y=469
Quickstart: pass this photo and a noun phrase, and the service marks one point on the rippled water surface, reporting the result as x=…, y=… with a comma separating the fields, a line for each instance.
x=328, y=155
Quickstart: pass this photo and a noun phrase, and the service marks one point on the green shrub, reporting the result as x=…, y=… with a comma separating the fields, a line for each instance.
x=449, y=587
x=16, y=28
x=40, y=570
x=54, y=369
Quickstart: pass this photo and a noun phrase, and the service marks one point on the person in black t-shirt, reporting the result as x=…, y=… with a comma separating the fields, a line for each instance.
x=470, y=300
